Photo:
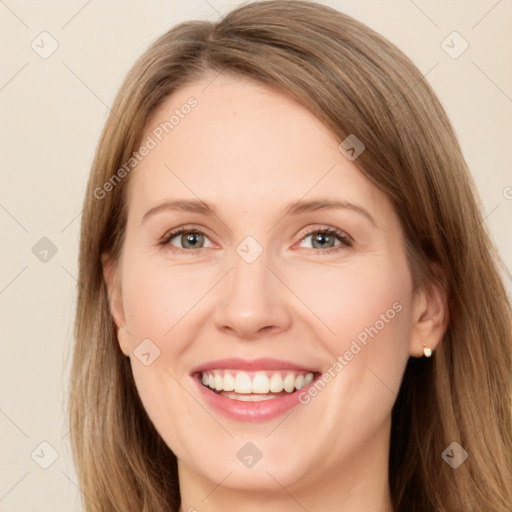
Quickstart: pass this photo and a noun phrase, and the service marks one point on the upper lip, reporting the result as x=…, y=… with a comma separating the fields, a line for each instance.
x=251, y=365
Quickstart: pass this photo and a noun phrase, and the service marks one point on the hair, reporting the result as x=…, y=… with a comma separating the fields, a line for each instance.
x=355, y=82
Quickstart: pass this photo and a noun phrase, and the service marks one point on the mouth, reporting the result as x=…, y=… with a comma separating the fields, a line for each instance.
x=254, y=386
x=253, y=393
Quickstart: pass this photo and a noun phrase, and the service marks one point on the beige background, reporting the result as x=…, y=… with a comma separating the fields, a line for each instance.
x=52, y=111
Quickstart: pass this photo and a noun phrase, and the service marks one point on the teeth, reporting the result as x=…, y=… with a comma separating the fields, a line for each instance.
x=262, y=382
x=242, y=383
x=248, y=398
x=229, y=382
x=289, y=383
x=219, y=382
x=276, y=383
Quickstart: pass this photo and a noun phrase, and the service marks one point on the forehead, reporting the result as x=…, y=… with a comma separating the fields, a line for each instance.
x=242, y=146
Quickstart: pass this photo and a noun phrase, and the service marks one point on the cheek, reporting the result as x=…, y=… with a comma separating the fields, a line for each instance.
x=158, y=297
x=353, y=299
x=365, y=308
x=161, y=304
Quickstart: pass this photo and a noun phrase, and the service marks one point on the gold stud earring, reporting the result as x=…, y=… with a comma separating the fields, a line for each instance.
x=427, y=351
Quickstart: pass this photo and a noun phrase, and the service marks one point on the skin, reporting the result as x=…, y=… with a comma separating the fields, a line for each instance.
x=291, y=303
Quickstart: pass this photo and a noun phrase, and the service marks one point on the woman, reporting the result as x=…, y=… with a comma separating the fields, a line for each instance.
x=287, y=297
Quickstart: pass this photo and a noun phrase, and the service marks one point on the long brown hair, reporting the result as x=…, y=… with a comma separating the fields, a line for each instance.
x=356, y=82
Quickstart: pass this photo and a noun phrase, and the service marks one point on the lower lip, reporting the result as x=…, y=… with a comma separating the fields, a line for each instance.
x=251, y=411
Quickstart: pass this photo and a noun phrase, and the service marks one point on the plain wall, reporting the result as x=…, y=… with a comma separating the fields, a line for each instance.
x=52, y=111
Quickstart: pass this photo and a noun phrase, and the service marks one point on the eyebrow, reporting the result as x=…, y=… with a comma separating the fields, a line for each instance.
x=295, y=208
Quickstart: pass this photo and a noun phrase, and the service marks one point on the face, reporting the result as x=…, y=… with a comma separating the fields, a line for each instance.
x=260, y=262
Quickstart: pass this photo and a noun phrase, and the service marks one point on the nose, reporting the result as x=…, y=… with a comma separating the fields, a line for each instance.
x=254, y=301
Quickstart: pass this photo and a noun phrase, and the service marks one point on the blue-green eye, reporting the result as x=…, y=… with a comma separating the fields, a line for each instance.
x=188, y=241
x=325, y=239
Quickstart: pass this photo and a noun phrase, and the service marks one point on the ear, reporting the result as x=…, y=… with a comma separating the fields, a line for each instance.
x=111, y=276
x=430, y=318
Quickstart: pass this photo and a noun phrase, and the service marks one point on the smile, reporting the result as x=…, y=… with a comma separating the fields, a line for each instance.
x=252, y=391
x=255, y=386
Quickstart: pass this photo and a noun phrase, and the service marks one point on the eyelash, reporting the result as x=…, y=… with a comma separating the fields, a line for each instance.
x=345, y=240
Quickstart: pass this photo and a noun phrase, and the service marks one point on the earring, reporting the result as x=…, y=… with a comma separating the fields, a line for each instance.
x=427, y=351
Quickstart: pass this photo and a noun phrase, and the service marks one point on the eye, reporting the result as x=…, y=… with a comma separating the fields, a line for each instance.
x=191, y=240
x=187, y=240
x=325, y=239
